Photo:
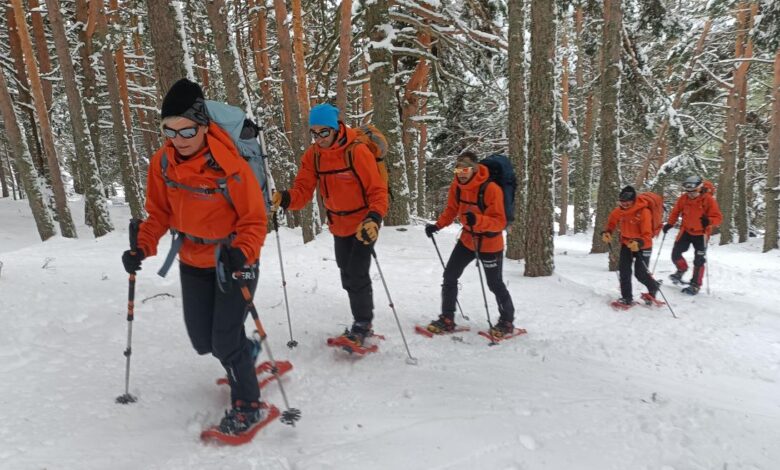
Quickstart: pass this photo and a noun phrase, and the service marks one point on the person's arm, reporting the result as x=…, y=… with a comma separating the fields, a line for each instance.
x=675, y=213
x=612, y=221
x=646, y=228
x=305, y=183
x=494, y=218
x=157, y=206
x=451, y=211
x=713, y=213
x=251, y=223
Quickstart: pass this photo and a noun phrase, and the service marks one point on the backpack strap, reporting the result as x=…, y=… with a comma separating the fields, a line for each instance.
x=221, y=182
x=349, y=167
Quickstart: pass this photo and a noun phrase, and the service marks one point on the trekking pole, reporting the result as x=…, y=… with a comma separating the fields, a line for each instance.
x=493, y=341
x=658, y=284
x=126, y=398
x=410, y=360
x=290, y=415
x=457, y=302
x=659, y=253
x=292, y=343
x=707, y=268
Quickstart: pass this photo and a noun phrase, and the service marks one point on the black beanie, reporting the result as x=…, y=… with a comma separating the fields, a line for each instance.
x=627, y=194
x=185, y=99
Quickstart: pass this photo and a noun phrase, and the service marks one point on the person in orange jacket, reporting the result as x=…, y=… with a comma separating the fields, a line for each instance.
x=700, y=212
x=483, y=233
x=355, y=197
x=199, y=187
x=636, y=244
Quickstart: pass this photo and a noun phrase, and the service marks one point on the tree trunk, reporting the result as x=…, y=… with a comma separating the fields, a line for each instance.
x=29, y=178
x=5, y=175
x=422, y=206
x=345, y=52
x=261, y=59
x=562, y=223
x=609, y=183
x=67, y=228
x=410, y=131
x=123, y=145
x=541, y=141
x=299, y=133
x=226, y=54
x=33, y=142
x=93, y=185
x=89, y=81
x=516, y=233
x=41, y=48
x=729, y=149
x=772, y=187
x=164, y=27
x=386, y=109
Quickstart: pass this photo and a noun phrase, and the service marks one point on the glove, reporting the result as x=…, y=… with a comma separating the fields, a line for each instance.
x=667, y=227
x=705, y=221
x=606, y=237
x=236, y=263
x=471, y=219
x=430, y=229
x=368, y=230
x=634, y=245
x=280, y=199
x=132, y=260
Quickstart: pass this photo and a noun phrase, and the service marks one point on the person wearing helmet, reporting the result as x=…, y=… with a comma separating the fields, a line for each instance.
x=636, y=238
x=700, y=213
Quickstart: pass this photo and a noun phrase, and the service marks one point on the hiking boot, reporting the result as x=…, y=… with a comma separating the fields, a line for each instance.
x=358, y=334
x=241, y=417
x=625, y=302
x=677, y=277
x=442, y=325
x=692, y=289
x=502, y=328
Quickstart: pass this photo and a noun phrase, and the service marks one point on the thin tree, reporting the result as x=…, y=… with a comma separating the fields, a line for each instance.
x=165, y=33
x=345, y=52
x=609, y=183
x=541, y=140
x=93, y=185
x=515, y=247
x=41, y=48
x=772, y=191
x=226, y=55
x=67, y=228
x=565, y=115
x=32, y=184
x=588, y=104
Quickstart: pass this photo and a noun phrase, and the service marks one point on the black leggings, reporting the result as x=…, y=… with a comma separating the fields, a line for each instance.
x=354, y=261
x=699, y=258
x=640, y=260
x=492, y=263
x=215, y=325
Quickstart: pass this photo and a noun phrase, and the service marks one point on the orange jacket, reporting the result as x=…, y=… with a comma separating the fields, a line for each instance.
x=636, y=222
x=204, y=215
x=692, y=210
x=349, y=194
x=490, y=223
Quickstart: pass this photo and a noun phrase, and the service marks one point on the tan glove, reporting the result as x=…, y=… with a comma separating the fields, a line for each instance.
x=633, y=245
x=606, y=237
x=367, y=231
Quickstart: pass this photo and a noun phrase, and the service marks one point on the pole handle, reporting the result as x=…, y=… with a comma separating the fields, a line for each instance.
x=135, y=226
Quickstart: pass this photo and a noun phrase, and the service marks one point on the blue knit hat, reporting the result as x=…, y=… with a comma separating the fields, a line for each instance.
x=324, y=115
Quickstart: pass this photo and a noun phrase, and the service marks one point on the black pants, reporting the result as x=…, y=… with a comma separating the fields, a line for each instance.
x=699, y=258
x=641, y=260
x=215, y=324
x=493, y=267
x=354, y=261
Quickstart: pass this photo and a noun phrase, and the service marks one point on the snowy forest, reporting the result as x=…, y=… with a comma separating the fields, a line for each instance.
x=584, y=97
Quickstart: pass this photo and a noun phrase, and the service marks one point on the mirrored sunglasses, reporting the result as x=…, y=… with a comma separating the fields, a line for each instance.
x=690, y=187
x=463, y=171
x=323, y=134
x=186, y=133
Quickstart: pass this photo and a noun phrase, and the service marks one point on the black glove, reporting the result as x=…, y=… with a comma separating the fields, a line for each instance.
x=471, y=219
x=236, y=262
x=667, y=227
x=705, y=221
x=132, y=260
x=430, y=229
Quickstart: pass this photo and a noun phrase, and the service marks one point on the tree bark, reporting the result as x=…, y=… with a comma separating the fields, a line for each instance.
x=516, y=233
x=33, y=186
x=41, y=49
x=260, y=54
x=226, y=54
x=410, y=131
x=772, y=187
x=562, y=223
x=65, y=220
x=89, y=81
x=345, y=51
x=85, y=154
x=609, y=183
x=541, y=141
x=386, y=109
x=5, y=174
x=169, y=57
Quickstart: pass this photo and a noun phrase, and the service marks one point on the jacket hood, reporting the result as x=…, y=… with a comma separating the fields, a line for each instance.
x=473, y=184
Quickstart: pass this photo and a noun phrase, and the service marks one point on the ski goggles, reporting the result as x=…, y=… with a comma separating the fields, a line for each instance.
x=186, y=133
x=463, y=171
x=690, y=187
x=323, y=134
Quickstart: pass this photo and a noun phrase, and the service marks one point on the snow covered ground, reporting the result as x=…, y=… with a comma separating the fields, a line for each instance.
x=587, y=388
